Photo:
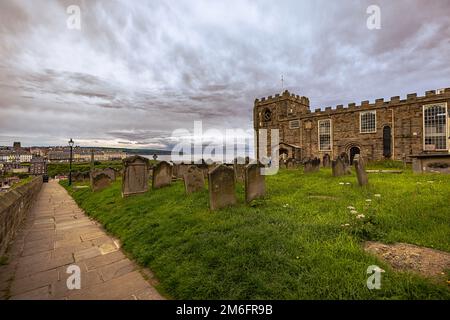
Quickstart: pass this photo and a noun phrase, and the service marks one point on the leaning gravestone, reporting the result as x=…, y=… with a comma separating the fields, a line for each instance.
x=101, y=178
x=193, y=180
x=338, y=167
x=162, y=175
x=255, y=184
x=221, y=183
x=135, y=176
x=361, y=173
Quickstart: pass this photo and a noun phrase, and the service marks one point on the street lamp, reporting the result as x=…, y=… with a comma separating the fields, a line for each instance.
x=71, y=143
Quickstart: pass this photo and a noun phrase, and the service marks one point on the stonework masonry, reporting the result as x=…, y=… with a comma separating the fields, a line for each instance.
x=398, y=134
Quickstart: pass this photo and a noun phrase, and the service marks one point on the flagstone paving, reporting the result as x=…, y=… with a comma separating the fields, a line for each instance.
x=57, y=234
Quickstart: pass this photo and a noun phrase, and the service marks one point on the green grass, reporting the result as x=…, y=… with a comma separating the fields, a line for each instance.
x=54, y=169
x=290, y=245
x=22, y=182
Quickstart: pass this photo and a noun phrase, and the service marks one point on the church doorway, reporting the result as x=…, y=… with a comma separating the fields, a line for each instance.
x=353, y=152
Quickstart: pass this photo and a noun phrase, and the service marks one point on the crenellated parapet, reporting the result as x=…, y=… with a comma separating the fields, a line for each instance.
x=286, y=95
x=393, y=102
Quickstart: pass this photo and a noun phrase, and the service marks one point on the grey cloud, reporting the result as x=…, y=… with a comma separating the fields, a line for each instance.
x=139, y=70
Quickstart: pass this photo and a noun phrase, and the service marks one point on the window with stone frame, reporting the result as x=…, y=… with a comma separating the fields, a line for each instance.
x=368, y=122
x=294, y=124
x=435, y=127
x=324, y=135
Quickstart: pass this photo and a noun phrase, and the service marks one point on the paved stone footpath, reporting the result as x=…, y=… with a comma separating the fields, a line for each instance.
x=57, y=234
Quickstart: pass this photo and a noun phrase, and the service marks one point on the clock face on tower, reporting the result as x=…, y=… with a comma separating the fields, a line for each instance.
x=267, y=115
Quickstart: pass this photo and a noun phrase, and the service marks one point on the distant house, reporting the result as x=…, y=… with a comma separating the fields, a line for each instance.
x=38, y=166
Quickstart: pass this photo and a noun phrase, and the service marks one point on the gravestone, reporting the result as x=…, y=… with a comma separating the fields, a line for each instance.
x=255, y=184
x=291, y=164
x=239, y=172
x=81, y=176
x=315, y=165
x=181, y=170
x=135, y=176
x=361, y=173
x=326, y=160
x=311, y=165
x=282, y=164
x=307, y=166
x=102, y=178
x=221, y=187
x=194, y=180
x=162, y=175
x=344, y=157
x=338, y=167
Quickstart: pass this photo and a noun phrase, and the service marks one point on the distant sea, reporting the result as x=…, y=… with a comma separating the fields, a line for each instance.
x=168, y=157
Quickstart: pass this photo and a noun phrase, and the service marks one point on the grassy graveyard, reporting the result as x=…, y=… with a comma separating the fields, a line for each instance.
x=303, y=241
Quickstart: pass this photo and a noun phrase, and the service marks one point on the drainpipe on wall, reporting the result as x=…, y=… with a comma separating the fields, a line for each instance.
x=393, y=135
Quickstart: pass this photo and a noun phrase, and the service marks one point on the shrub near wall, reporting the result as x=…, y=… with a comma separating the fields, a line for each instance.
x=14, y=206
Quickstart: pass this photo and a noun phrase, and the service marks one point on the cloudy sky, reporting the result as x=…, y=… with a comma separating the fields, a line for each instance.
x=137, y=71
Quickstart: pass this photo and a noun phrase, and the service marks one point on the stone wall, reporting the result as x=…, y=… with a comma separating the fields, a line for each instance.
x=14, y=206
x=403, y=116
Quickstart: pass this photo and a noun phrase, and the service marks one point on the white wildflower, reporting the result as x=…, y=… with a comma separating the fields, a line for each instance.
x=354, y=212
x=377, y=195
x=351, y=208
x=369, y=200
x=360, y=216
x=341, y=183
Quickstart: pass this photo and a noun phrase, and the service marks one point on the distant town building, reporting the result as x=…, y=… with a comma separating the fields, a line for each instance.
x=17, y=145
x=38, y=166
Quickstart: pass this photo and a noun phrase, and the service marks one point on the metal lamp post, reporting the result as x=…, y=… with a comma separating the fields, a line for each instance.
x=71, y=143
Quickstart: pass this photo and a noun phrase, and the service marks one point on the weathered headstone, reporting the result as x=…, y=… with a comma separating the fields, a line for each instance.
x=81, y=176
x=101, y=178
x=282, y=164
x=239, y=172
x=135, y=175
x=181, y=169
x=338, y=167
x=315, y=165
x=361, y=173
x=344, y=157
x=255, y=184
x=221, y=187
x=291, y=164
x=326, y=160
x=193, y=180
x=162, y=175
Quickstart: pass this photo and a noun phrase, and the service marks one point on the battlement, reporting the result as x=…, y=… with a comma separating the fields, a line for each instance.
x=286, y=95
x=394, y=101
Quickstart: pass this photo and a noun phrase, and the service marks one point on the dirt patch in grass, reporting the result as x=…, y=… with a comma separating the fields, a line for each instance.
x=407, y=257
